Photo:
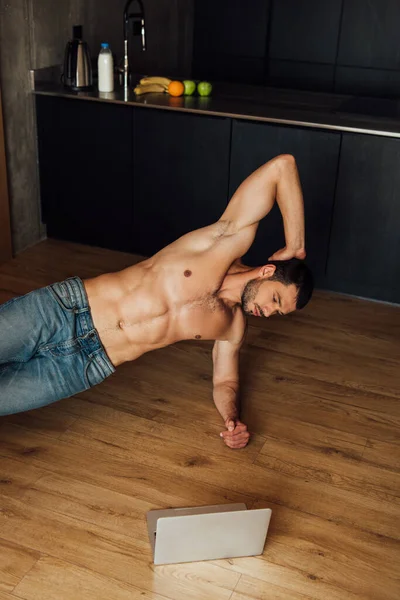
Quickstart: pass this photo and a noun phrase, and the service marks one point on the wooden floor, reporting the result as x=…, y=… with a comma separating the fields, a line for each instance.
x=321, y=393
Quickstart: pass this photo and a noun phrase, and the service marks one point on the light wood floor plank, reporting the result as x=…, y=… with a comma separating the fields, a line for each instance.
x=317, y=410
x=258, y=481
x=16, y=476
x=337, y=311
x=110, y=554
x=250, y=588
x=261, y=482
x=52, y=578
x=323, y=540
x=6, y=596
x=382, y=454
x=113, y=468
x=333, y=466
x=359, y=374
x=90, y=503
x=186, y=430
x=293, y=333
x=321, y=439
x=294, y=580
x=138, y=390
x=45, y=421
x=362, y=581
x=261, y=388
x=15, y=562
x=257, y=372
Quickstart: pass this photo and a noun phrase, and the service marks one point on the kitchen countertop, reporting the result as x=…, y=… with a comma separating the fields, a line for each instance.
x=257, y=103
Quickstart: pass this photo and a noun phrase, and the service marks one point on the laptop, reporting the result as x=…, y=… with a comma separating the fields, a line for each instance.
x=179, y=535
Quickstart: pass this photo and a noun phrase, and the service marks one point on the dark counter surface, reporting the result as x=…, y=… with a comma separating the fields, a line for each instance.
x=288, y=107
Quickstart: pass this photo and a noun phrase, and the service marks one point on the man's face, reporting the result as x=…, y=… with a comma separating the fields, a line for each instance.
x=265, y=297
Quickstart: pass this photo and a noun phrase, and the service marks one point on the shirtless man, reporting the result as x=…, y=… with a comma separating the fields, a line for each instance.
x=60, y=340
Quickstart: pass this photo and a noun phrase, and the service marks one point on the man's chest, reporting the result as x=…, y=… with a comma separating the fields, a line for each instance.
x=206, y=318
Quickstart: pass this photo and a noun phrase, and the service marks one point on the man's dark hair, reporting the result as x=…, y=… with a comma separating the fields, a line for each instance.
x=294, y=271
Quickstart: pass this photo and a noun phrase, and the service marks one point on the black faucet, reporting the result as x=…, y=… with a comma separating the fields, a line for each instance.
x=128, y=16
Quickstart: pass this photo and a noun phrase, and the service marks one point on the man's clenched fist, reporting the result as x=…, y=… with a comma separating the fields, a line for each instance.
x=236, y=435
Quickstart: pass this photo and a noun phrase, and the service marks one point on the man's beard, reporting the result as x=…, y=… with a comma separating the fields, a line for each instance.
x=249, y=293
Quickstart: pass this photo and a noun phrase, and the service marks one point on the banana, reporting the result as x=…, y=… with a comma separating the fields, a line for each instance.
x=149, y=88
x=164, y=81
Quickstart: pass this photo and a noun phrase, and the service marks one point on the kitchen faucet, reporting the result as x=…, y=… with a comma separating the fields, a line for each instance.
x=128, y=16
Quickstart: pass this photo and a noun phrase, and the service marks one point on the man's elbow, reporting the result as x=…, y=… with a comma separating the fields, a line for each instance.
x=286, y=161
x=230, y=386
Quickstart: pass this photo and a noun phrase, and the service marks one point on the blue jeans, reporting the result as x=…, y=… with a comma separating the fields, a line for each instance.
x=49, y=348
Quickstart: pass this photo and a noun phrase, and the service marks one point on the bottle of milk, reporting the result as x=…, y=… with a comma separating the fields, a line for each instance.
x=105, y=65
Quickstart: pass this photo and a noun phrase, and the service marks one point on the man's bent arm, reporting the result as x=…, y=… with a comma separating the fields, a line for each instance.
x=277, y=180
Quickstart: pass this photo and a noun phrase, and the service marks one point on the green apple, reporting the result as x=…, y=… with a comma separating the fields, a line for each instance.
x=190, y=87
x=204, y=88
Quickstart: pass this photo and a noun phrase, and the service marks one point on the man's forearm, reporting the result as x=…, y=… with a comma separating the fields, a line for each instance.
x=289, y=197
x=278, y=180
x=226, y=399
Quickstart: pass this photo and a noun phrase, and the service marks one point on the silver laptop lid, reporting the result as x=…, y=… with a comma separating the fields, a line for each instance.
x=154, y=515
x=210, y=536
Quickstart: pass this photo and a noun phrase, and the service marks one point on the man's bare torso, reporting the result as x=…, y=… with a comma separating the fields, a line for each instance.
x=173, y=296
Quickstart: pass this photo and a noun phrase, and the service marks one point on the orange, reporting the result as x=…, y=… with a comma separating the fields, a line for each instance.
x=176, y=88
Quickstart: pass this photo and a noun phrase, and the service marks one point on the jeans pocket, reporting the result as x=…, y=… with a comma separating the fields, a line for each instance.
x=61, y=294
x=93, y=374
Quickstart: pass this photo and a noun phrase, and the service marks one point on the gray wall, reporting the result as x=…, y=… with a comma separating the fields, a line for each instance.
x=33, y=34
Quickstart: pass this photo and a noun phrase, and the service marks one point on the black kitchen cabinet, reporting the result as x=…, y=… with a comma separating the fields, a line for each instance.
x=364, y=255
x=85, y=163
x=370, y=34
x=181, y=174
x=229, y=41
x=301, y=75
x=302, y=44
x=305, y=31
x=317, y=155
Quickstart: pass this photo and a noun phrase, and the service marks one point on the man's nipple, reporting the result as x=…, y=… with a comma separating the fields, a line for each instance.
x=187, y=273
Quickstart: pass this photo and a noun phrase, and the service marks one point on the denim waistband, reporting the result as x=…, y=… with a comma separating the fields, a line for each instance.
x=72, y=291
